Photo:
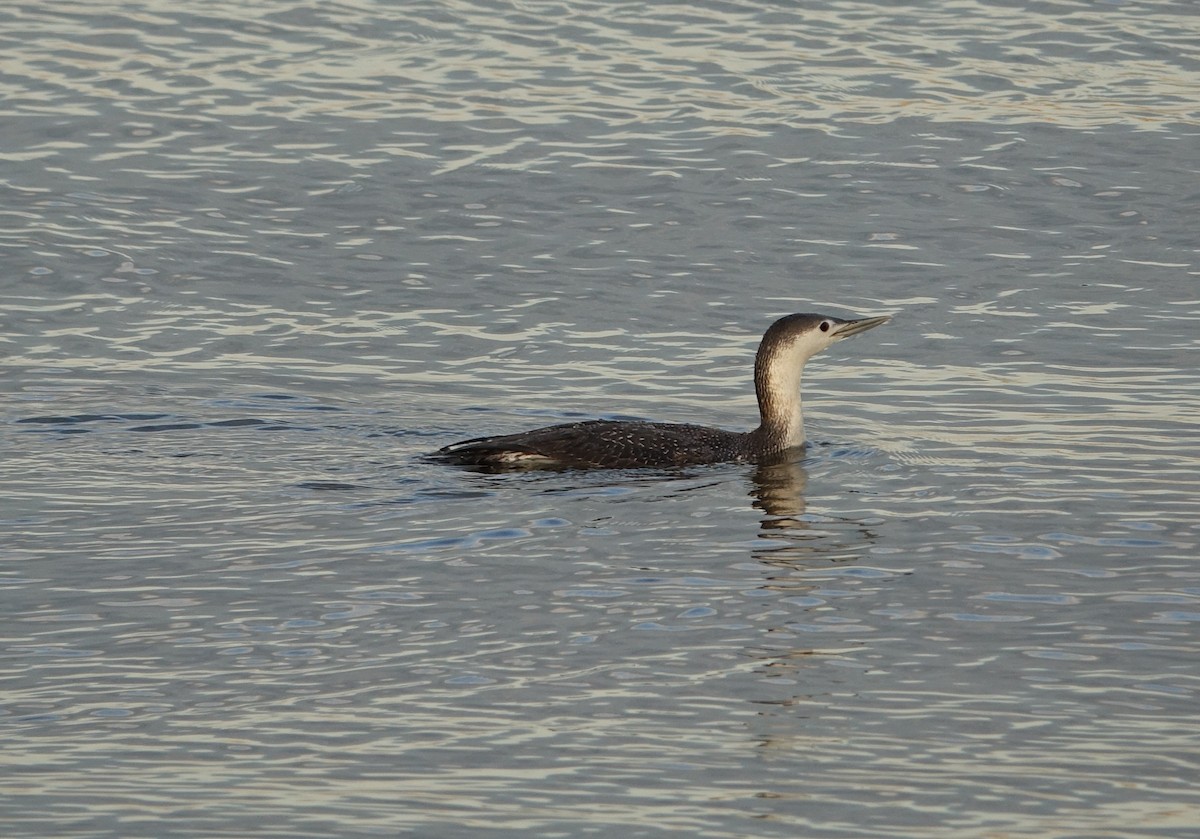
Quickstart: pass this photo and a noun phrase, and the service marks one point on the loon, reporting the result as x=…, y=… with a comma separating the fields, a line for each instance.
x=609, y=444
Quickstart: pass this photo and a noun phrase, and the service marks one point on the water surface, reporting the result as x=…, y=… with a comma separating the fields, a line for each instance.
x=259, y=262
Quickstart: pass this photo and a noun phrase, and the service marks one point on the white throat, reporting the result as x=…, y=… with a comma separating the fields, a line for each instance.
x=779, y=397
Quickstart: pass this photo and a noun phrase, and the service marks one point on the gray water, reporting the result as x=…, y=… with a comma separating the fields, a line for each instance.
x=260, y=259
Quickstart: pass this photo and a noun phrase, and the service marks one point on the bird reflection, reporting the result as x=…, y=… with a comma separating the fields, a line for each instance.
x=779, y=491
x=798, y=540
x=798, y=550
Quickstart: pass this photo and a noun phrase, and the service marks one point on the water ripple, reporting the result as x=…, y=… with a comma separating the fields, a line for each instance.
x=260, y=261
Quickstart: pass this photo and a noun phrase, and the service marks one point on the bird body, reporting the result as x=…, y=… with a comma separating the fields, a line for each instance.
x=778, y=367
x=609, y=444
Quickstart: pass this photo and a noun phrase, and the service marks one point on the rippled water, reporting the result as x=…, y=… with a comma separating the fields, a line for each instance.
x=258, y=261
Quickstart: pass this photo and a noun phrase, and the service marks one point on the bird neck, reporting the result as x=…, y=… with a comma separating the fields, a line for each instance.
x=777, y=384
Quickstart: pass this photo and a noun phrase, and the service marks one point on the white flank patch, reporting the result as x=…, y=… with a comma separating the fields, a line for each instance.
x=529, y=460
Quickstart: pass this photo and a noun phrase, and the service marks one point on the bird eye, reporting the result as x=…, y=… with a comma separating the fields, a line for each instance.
x=824, y=326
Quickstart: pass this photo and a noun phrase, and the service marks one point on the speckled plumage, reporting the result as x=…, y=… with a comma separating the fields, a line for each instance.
x=604, y=444
x=609, y=444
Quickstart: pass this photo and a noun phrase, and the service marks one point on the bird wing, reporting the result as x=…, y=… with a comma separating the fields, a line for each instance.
x=600, y=443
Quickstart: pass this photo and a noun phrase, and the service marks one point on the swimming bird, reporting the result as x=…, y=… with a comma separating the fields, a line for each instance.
x=609, y=444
